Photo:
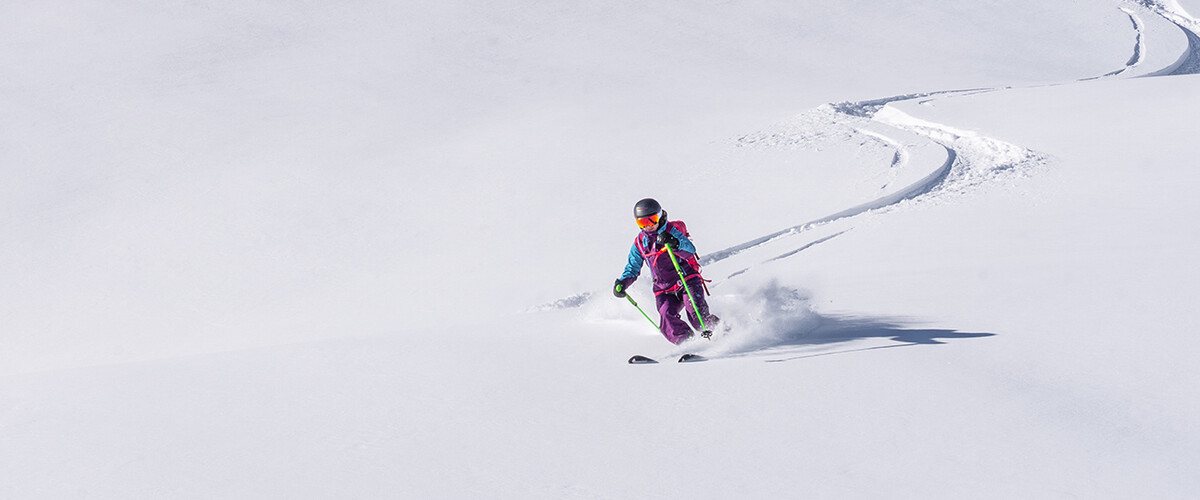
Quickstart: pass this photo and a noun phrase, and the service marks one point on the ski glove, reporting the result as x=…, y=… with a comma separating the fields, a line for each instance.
x=669, y=240
x=619, y=289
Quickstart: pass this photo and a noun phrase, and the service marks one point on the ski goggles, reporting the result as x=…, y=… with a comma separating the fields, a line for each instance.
x=648, y=221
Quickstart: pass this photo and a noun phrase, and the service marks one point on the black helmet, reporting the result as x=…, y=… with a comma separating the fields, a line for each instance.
x=645, y=208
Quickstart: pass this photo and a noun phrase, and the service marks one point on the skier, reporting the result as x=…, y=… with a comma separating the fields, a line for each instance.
x=670, y=295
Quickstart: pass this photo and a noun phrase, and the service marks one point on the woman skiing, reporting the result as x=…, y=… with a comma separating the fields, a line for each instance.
x=650, y=247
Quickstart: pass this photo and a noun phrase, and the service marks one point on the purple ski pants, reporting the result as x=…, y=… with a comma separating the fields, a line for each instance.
x=671, y=303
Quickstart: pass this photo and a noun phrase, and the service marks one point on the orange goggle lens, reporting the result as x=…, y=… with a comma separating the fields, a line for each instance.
x=648, y=222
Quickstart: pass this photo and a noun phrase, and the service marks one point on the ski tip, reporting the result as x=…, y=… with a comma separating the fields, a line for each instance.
x=638, y=359
x=691, y=358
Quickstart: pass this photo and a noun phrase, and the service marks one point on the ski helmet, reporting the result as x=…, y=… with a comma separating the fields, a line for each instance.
x=645, y=208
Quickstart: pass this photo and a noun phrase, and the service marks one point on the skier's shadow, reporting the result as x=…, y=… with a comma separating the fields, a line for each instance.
x=841, y=329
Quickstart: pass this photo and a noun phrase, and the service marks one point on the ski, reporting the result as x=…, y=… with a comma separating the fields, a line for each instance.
x=638, y=359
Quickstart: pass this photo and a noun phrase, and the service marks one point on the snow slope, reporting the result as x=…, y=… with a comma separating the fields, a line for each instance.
x=297, y=251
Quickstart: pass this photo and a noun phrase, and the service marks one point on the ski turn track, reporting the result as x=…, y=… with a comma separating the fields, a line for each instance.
x=933, y=162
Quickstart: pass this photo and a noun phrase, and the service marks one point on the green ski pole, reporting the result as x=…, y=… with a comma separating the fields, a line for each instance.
x=704, y=333
x=639, y=308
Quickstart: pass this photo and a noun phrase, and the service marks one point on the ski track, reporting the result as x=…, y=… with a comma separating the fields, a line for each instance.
x=777, y=317
x=1139, y=29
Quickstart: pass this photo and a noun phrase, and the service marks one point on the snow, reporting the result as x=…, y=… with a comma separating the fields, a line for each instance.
x=275, y=250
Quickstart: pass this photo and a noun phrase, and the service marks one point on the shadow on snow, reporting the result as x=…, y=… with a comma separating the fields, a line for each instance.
x=845, y=330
